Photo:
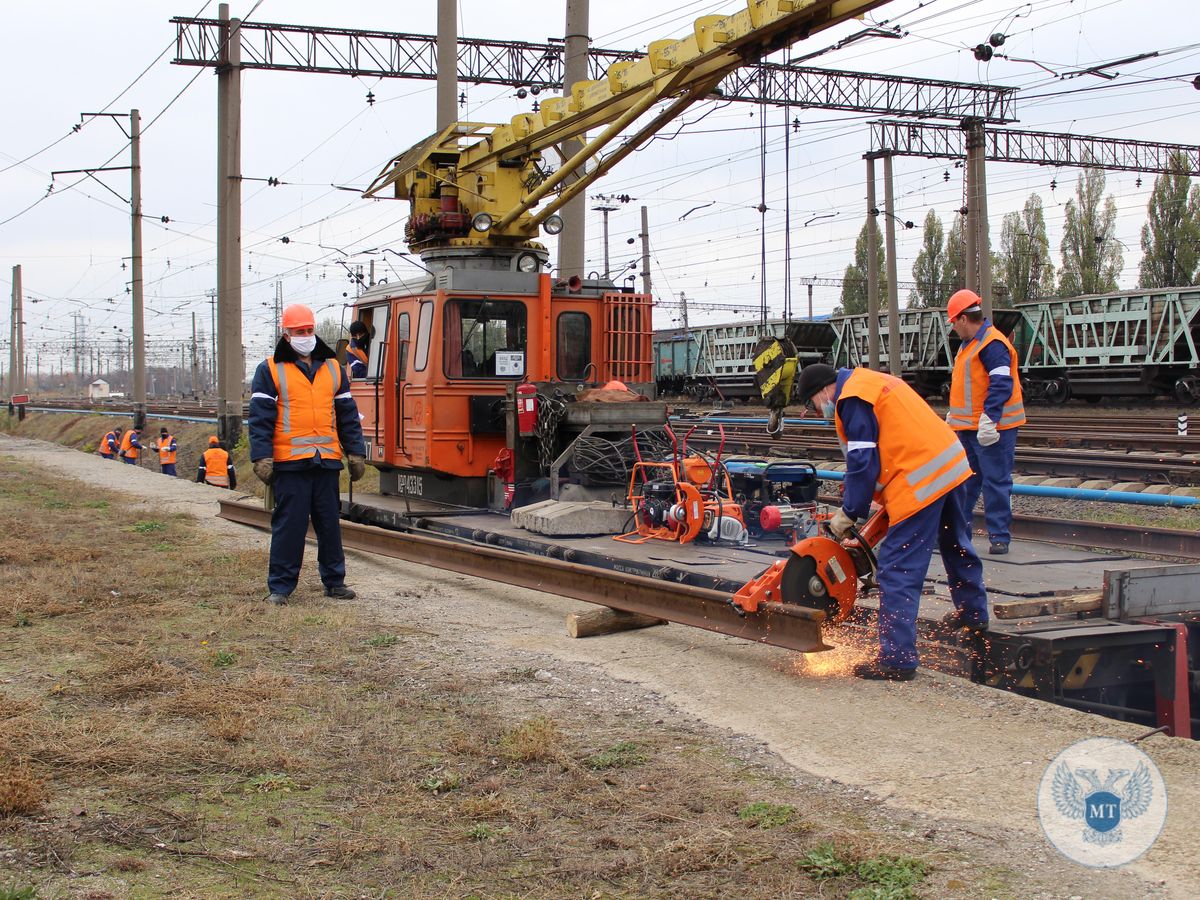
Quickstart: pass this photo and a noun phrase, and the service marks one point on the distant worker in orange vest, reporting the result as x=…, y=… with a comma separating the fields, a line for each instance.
x=902, y=456
x=986, y=409
x=302, y=420
x=216, y=466
x=130, y=446
x=359, y=349
x=110, y=444
x=168, y=450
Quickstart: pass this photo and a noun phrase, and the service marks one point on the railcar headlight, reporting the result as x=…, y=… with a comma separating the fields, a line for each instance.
x=481, y=222
x=527, y=262
x=553, y=224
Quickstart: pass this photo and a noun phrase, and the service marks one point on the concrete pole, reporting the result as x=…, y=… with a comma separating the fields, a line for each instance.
x=970, y=233
x=810, y=311
x=872, y=269
x=574, y=212
x=195, y=360
x=16, y=350
x=982, y=240
x=139, y=314
x=893, y=290
x=605, y=210
x=229, y=230
x=645, y=235
x=447, y=63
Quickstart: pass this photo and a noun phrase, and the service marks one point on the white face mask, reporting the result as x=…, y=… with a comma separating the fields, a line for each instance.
x=304, y=345
x=827, y=409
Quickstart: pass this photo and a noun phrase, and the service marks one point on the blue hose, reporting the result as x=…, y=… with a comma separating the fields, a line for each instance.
x=1065, y=493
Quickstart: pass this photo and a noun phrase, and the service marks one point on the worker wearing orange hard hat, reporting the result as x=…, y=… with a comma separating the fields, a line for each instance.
x=986, y=409
x=302, y=419
x=900, y=455
x=216, y=466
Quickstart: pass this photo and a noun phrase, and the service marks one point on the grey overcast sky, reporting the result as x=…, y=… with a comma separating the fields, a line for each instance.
x=60, y=59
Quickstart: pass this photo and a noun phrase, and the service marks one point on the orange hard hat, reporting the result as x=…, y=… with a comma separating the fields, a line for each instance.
x=297, y=316
x=616, y=386
x=961, y=302
x=213, y=440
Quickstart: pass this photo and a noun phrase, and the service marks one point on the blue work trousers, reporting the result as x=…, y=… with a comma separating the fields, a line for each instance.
x=128, y=461
x=904, y=556
x=169, y=469
x=993, y=467
x=303, y=496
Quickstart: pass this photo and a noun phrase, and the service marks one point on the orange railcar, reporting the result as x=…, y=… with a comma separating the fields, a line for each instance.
x=442, y=362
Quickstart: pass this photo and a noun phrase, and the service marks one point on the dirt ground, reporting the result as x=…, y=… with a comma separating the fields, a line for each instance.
x=938, y=768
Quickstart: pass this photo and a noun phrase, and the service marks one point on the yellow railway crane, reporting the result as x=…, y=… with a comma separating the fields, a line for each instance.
x=474, y=188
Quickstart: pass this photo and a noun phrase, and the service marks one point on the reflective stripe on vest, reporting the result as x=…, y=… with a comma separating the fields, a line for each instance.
x=920, y=458
x=969, y=386
x=303, y=428
x=216, y=467
x=166, y=456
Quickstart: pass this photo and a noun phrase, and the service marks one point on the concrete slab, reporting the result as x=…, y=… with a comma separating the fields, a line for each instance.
x=1096, y=484
x=1132, y=487
x=1062, y=482
x=557, y=518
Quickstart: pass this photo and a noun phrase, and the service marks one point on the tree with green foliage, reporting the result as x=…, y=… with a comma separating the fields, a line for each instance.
x=954, y=274
x=854, y=281
x=1024, y=265
x=929, y=271
x=1171, y=235
x=1091, y=254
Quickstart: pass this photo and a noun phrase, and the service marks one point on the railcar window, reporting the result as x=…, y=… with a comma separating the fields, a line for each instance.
x=376, y=320
x=484, y=339
x=573, y=346
x=402, y=343
x=424, y=326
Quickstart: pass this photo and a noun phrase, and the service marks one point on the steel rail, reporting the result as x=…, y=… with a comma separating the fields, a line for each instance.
x=790, y=627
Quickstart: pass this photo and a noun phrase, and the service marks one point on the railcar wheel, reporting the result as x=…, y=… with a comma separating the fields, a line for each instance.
x=1058, y=391
x=1187, y=390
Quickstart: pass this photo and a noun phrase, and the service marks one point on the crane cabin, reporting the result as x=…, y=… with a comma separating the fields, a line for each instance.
x=446, y=358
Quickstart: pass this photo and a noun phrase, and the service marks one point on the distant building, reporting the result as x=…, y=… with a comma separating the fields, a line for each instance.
x=98, y=389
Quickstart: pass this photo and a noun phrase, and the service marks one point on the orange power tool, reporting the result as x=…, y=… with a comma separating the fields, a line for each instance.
x=820, y=572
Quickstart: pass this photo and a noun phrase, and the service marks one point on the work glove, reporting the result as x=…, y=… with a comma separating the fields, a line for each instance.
x=358, y=467
x=840, y=524
x=987, y=433
x=264, y=469
x=949, y=414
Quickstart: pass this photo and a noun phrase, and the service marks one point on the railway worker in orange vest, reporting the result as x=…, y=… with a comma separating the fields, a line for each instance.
x=168, y=450
x=900, y=454
x=110, y=444
x=216, y=466
x=130, y=446
x=302, y=420
x=360, y=347
x=986, y=409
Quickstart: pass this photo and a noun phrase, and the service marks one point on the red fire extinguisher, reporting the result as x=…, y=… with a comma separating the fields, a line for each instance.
x=527, y=409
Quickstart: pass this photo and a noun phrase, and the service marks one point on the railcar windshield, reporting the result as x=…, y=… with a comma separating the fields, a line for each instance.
x=484, y=339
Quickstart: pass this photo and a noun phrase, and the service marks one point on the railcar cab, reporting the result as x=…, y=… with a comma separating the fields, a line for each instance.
x=447, y=353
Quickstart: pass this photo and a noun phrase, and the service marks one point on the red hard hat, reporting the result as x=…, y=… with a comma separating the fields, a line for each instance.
x=297, y=316
x=615, y=385
x=961, y=302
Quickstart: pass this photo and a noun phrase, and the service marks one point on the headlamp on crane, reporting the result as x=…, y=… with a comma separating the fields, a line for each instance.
x=553, y=224
x=528, y=262
x=482, y=222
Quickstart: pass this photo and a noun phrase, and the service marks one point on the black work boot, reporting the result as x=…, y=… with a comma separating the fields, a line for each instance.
x=998, y=549
x=278, y=599
x=340, y=592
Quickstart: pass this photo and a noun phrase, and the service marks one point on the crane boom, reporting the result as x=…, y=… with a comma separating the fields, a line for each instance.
x=477, y=185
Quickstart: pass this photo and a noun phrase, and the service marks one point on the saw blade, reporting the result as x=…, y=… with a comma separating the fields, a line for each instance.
x=800, y=584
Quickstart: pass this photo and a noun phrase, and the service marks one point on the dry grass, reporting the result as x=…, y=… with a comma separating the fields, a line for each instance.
x=21, y=792
x=319, y=763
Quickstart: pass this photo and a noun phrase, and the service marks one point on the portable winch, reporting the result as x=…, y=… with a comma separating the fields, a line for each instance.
x=820, y=573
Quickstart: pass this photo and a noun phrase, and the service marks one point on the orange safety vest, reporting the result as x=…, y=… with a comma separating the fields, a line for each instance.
x=969, y=387
x=127, y=449
x=357, y=353
x=305, y=420
x=166, y=456
x=104, y=449
x=216, y=467
x=920, y=458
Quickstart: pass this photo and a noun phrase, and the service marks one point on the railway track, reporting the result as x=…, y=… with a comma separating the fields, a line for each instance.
x=1071, y=457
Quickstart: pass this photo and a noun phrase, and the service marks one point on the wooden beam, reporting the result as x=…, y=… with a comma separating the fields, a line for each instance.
x=607, y=621
x=1065, y=605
